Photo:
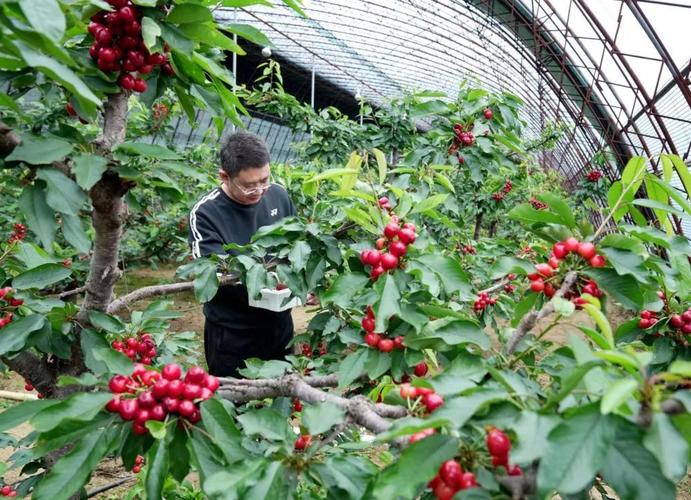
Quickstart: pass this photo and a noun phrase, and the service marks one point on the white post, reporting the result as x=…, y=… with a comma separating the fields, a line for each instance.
x=235, y=59
x=312, y=97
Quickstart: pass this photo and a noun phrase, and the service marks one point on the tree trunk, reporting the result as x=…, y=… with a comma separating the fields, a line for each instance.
x=478, y=226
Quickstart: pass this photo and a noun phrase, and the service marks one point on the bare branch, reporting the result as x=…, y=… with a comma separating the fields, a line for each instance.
x=360, y=409
x=521, y=486
x=8, y=140
x=34, y=369
x=147, y=292
x=529, y=320
x=69, y=293
x=497, y=286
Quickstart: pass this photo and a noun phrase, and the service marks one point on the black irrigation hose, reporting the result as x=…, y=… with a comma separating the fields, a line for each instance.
x=110, y=486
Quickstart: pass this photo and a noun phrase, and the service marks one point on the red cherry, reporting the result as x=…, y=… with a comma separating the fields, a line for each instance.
x=171, y=371
x=142, y=416
x=544, y=270
x=195, y=417
x=421, y=369
x=515, y=470
x=407, y=236
x=597, y=261
x=302, y=442
x=28, y=387
x=488, y=114
x=93, y=28
x=137, y=469
x=372, y=339
x=127, y=81
x=586, y=250
x=5, y=490
x=686, y=329
x=158, y=413
x=128, y=409
x=171, y=404
x=107, y=55
x=407, y=391
x=443, y=491
x=376, y=272
x=297, y=406
x=391, y=230
x=146, y=400
x=127, y=14
x=385, y=345
x=645, y=323
x=128, y=65
x=140, y=85
x=468, y=481
x=389, y=261
x=118, y=384
x=571, y=244
x=549, y=290
x=186, y=408
x=117, y=3
x=559, y=250
x=432, y=401
x=212, y=383
x=537, y=286
x=380, y=244
x=398, y=248
x=195, y=375
x=367, y=324
x=168, y=69
x=104, y=36
x=136, y=57
x=133, y=28
x=398, y=342
x=160, y=388
x=156, y=59
x=383, y=201
x=113, y=405
x=146, y=69
x=498, y=443
x=373, y=258
x=676, y=321
x=553, y=262
x=450, y=472
x=175, y=388
x=140, y=429
x=192, y=391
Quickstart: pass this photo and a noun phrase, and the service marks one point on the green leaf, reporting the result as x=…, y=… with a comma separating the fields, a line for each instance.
x=452, y=332
x=347, y=474
x=617, y=394
x=157, y=469
x=381, y=164
x=429, y=203
x=680, y=367
x=633, y=170
x=526, y=213
x=624, y=289
x=208, y=34
x=70, y=473
x=149, y=150
x=68, y=432
x=61, y=73
x=250, y=33
x=532, y=430
x=459, y=410
x=45, y=16
x=626, y=361
x=39, y=216
x=106, y=322
x=631, y=470
x=20, y=413
x=271, y=484
x=266, y=422
x=99, y=357
x=576, y=451
x=389, y=303
x=559, y=206
x=180, y=466
x=13, y=337
x=361, y=218
x=344, y=288
x=602, y=323
x=74, y=233
x=40, y=150
x=62, y=194
x=189, y=13
x=80, y=406
x=682, y=171
x=299, y=255
x=222, y=429
x=450, y=273
x=321, y=417
x=673, y=193
x=670, y=448
x=41, y=276
x=417, y=464
x=88, y=169
x=352, y=367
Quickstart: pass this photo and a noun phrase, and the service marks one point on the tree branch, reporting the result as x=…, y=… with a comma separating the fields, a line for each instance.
x=360, y=409
x=147, y=292
x=8, y=140
x=529, y=320
x=34, y=369
x=521, y=486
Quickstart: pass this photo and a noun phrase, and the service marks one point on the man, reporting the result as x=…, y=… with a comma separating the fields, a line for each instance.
x=232, y=213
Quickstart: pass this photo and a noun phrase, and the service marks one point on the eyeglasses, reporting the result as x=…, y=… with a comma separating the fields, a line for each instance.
x=249, y=191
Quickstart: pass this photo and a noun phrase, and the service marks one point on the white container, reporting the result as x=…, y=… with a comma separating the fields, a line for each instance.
x=273, y=299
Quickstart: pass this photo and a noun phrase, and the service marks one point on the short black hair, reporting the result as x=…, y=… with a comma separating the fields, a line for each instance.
x=242, y=150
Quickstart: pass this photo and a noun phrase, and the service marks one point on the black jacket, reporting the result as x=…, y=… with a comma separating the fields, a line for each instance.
x=216, y=220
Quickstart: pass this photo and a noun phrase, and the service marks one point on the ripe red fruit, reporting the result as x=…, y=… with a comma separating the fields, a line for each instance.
x=186, y=408
x=171, y=371
x=212, y=383
x=372, y=339
x=136, y=57
x=297, y=406
x=559, y=250
x=373, y=258
x=127, y=81
x=146, y=400
x=107, y=54
x=195, y=375
x=597, y=261
x=571, y=244
x=28, y=387
x=142, y=416
x=391, y=230
x=389, y=261
x=537, y=286
x=586, y=250
x=686, y=329
x=450, y=472
x=498, y=443
x=302, y=442
x=156, y=59
x=104, y=36
x=488, y=114
x=171, y=404
x=5, y=491
x=113, y=405
x=380, y=244
x=409, y=225
x=175, y=388
x=376, y=272
x=146, y=69
x=676, y=321
x=118, y=384
x=133, y=28
x=398, y=248
x=553, y=262
x=421, y=369
x=549, y=290
x=686, y=316
x=645, y=323
x=515, y=470
x=468, y=481
x=432, y=401
x=407, y=391
x=140, y=85
x=367, y=324
x=407, y=236
x=158, y=413
x=192, y=391
x=128, y=409
x=398, y=342
x=544, y=270
x=385, y=345
x=168, y=69
x=127, y=14
x=443, y=491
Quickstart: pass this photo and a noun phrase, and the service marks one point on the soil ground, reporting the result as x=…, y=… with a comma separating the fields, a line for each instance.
x=111, y=471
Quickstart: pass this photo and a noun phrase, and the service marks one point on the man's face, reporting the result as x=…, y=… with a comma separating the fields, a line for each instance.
x=249, y=185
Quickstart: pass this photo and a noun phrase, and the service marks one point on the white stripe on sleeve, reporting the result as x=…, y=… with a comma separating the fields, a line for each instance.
x=196, y=235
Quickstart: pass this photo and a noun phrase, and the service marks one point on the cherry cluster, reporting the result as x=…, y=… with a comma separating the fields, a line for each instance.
x=468, y=249
x=8, y=491
x=488, y=113
x=138, y=464
x=119, y=46
x=18, y=234
x=384, y=203
x=150, y=395
x=430, y=399
x=648, y=319
x=141, y=348
x=303, y=442
x=395, y=239
x=378, y=340
x=499, y=446
x=594, y=176
x=681, y=322
x=8, y=304
x=560, y=251
x=483, y=300
x=509, y=288
x=449, y=479
x=308, y=352
x=463, y=136
x=28, y=388
x=498, y=196
x=297, y=405
x=537, y=204
x=590, y=287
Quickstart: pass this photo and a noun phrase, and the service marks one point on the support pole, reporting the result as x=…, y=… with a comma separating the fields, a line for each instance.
x=312, y=92
x=235, y=59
